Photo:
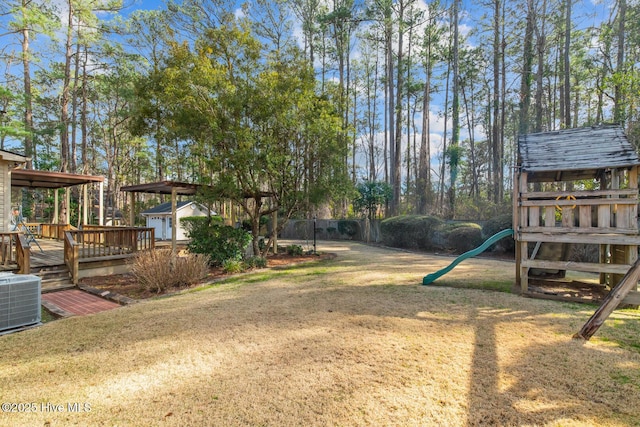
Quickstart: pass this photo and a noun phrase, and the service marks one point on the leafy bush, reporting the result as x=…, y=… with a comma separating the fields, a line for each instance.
x=465, y=237
x=256, y=262
x=294, y=250
x=219, y=242
x=156, y=271
x=410, y=231
x=232, y=266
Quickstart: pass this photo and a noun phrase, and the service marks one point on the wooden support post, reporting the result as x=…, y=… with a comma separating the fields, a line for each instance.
x=85, y=207
x=56, y=207
x=132, y=211
x=174, y=226
x=101, y=204
x=522, y=252
x=67, y=198
x=611, y=302
x=275, y=232
x=516, y=199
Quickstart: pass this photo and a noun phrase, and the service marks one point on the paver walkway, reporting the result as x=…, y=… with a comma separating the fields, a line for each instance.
x=78, y=302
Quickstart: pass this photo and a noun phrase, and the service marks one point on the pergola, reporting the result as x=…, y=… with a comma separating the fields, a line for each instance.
x=27, y=178
x=175, y=188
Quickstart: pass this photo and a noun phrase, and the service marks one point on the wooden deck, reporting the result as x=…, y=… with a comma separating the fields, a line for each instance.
x=52, y=255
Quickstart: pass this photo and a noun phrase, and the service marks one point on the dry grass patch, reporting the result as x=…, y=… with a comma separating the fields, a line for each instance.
x=352, y=341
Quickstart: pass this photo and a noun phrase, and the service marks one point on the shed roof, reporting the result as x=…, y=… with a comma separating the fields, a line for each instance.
x=165, y=208
x=572, y=154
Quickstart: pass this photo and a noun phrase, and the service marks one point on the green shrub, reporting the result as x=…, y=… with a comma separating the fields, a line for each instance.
x=256, y=262
x=156, y=271
x=232, y=266
x=294, y=250
x=465, y=237
x=219, y=242
x=410, y=231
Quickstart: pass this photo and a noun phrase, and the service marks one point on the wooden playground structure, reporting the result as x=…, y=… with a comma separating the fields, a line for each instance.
x=577, y=187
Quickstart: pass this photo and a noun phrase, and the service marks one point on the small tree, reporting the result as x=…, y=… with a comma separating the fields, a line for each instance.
x=371, y=196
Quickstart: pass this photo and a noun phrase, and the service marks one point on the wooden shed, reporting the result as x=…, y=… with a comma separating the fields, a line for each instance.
x=575, y=187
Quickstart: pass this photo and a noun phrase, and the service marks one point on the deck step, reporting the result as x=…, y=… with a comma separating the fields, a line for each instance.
x=52, y=273
x=54, y=278
x=54, y=286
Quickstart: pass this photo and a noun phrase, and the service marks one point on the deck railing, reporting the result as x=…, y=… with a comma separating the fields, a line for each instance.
x=94, y=243
x=23, y=254
x=48, y=231
x=71, y=257
x=15, y=250
x=8, y=248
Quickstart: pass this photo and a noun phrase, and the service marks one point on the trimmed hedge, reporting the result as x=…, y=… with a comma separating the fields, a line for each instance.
x=465, y=237
x=430, y=233
x=495, y=225
x=410, y=231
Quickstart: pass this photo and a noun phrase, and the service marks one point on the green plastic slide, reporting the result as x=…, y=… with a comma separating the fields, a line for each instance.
x=430, y=278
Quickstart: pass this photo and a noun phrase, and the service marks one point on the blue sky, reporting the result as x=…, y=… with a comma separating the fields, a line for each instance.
x=586, y=13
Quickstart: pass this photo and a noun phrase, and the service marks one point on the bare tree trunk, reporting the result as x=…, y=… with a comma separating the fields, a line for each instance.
x=567, y=69
x=397, y=161
x=28, y=97
x=503, y=111
x=443, y=163
x=73, y=158
x=495, y=129
x=83, y=115
x=618, y=98
x=393, y=207
x=409, y=114
x=540, y=49
x=371, y=95
x=527, y=61
x=424, y=170
x=455, y=112
x=64, y=101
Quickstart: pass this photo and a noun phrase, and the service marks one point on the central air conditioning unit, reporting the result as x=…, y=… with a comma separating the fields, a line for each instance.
x=19, y=300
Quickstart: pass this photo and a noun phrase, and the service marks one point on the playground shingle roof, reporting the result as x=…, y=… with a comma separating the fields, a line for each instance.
x=575, y=153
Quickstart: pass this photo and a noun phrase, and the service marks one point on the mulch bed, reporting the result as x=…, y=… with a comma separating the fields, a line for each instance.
x=127, y=285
